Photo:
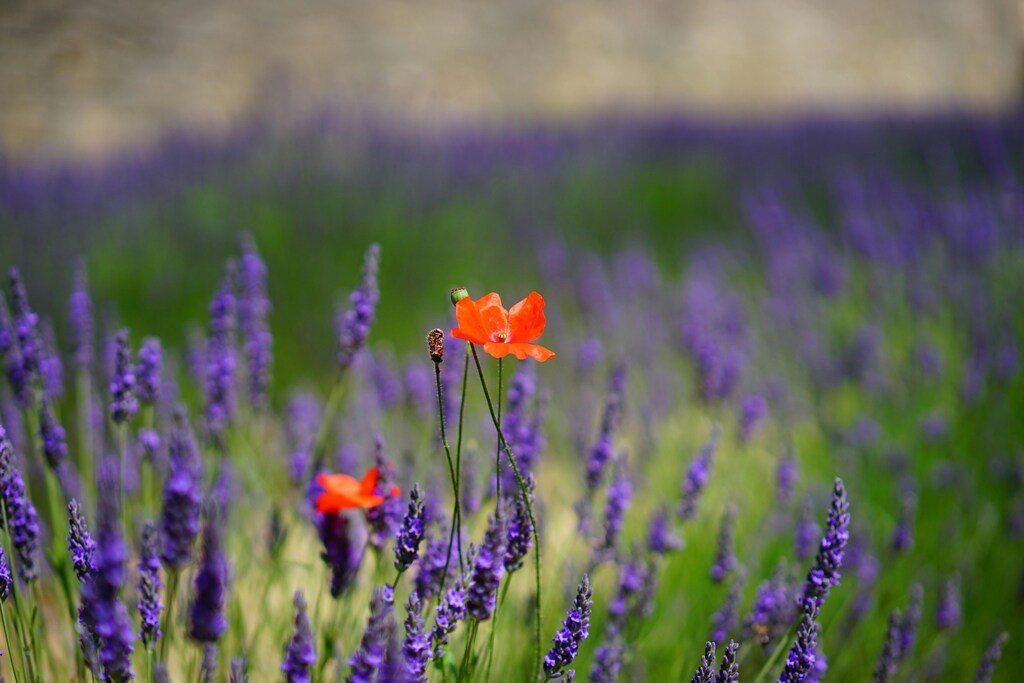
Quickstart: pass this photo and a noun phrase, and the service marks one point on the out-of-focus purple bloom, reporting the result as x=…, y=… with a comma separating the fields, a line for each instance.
x=354, y=325
x=802, y=655
x=432, y=563
x=407, y=545
x=149, y=443
x=221, y=360
x=588, y=355
x=1007, y=362
x=698, y=474
x=991, y=659
x=604, y=449
x=865, y=432
x=948, y=613
x=386, y=381
x=911, y=620
x=773, y=609
x=123, y=404
x=521, y=428
x=206, y=620
x=825, y=572
x=807, y=533
x=450, y=613
x=23, y=524
x=253, y=308
x=903, y=536
x=239, y=672
x=343, y=549
x=104, y=617
x=929, y=361
x=51, y=368
x=182, y=496
x=150, y=585
x=196, y=346
x=891, y=654
x=785, y=478
x=817, y=673
x=661, y=539
x=369, y=657
x=620, y=494
x=725, y=559
x=51, y=433
x=520, y=531
x=706, y=671
x=729, y=672
x=575, y=629
x=725, y=620
x=147, y=371
x=420, y=390
x=80, y=543
x=934, y=427
x=488, y=570
x=385, y=519
x=208, y=665
x=26, y=332
x=302, y=420
x=80, y=317
x=6, y=580
x=753, y=409
x=300, y=655
x=416, y=646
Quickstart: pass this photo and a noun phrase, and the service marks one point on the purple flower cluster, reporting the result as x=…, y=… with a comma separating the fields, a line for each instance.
x=342, y=552
x=300, y=655
x=150, y=584
x=520, y=530
x=725, y=559
x=369, y=657
x=620, y=494
x=416, y=646
x=706, y=670
x=802, y=656
x=123, y=403
x=206, y=620
x=6, y=580
x=51, y=433
x=450, y=613
x=773, y=609
x=147, y=371
x=19, y=513
x=698, y=474
x=253, y=308
x=488, y=570
x=354, y=325
x=604, y=450
x=753, y=409
x=407, y=545
x=661, y=539
x=948, y=613
x=29, y=343
x=825, y=572
x=221, y=359
x=80, y=317
x=384, y=519
x=182, y=495
x=574, y=630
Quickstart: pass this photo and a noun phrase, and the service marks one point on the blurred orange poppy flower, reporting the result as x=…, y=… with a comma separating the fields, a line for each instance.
x=501, y=332
x=342, y=492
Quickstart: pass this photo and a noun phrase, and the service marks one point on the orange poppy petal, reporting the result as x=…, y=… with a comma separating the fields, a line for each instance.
x=471, y=323
x=369, y=482
x=526, y=319
x=520, y=351
x=337, y=482
x=495, y=317
x=395, y=492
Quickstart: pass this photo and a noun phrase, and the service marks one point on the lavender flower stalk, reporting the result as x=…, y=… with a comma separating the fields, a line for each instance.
x=661, y=539
x=729, y=671
x=753, y=409
x=724, y=621
x=891, y=654
x=147, y=372
x=990, y=659
x=407, y=546
x=620, y=493
x=385, y=519
x=574, y=630
x=150, y=584
x=182, y=497
x=354, y=325
x=369, y=657
x=603, y=450
x=450, y=613
x=706, y=671
x=416, y=646
x=220, y=359
x=26, y=333
x=948, y=613
x=725, y=560
x=341, y=552
x=80, y=317
x=6, y=580
x=300, y=655
x=53, y=436
x=825, y=573
x=698, y=475
x=801, y=658
x=206, y=621
x=487, y=571
x=51, y=369
x=520, y=530
x=253, y=308
x=19, y=513
x=123, y=404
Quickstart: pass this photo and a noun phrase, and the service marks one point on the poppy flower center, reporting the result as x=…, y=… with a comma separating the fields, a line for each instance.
x=502, y=336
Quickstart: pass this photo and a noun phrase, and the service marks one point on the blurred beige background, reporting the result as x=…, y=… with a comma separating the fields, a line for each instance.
x=89, y=77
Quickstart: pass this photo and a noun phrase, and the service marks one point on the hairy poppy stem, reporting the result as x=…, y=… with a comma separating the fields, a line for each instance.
x=497, y=449
x=526, y=501
x=457, y=507
x=456, y=528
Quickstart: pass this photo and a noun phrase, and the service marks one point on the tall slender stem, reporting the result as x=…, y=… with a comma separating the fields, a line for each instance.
x=456, y=529
x=457, y=505
x=526, y=501
x=172, y=589
x=497, y=448
x=7, y=638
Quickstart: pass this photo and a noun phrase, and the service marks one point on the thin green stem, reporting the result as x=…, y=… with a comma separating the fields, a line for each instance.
x=456, y=528
x=467, y=653
x=527, y=503
x=172, y=591
x=779, y=649
x=494, y=624
x=497, y=448
x=456, y=506
x=85, y=435
x=334, y=400
x=7, y=638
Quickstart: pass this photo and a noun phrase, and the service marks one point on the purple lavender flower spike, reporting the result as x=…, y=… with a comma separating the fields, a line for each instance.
x=239, y=671
x=487, y=571
x=123, y=403
x=6, y=579
x=450, y=613
x=575, y=629
x=147, y=372
x=773, y=609
x=661, y=539
x=354, y=326
x=300, y=655
x=890, y=657
x=385, y=519
x=369, y=657
x=416, y=646
x=150, y=584
x=208, y=665
x=753, y=409
x=55, y=445
x=253, y=308
x=342, y=550
x=706, y=671
x=724, y=621
x=14, y=367
x=902, y=535
x=206, y=620
x=698, y=474
x=807, y=532
x=603, y=450
x=785, y=478
x=911, y=620
x=20, y=513
x=608, y=657
x=182, y=496
x=80, y=543
x=729, y=672
x=520, y=530
x=991, y=659
x=801, y=658
x=407, y=545
x=725, y=560
x=620, y=494
x=221, y=359
x=26, y=329
x=104, y=617
x=80, y=316
x=432, y=563
x=825, y=572
x=948, y=613
x=51, y=368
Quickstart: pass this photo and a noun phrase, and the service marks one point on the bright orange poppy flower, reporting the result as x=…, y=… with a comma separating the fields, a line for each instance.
x=500, y=332
x=342, y=492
